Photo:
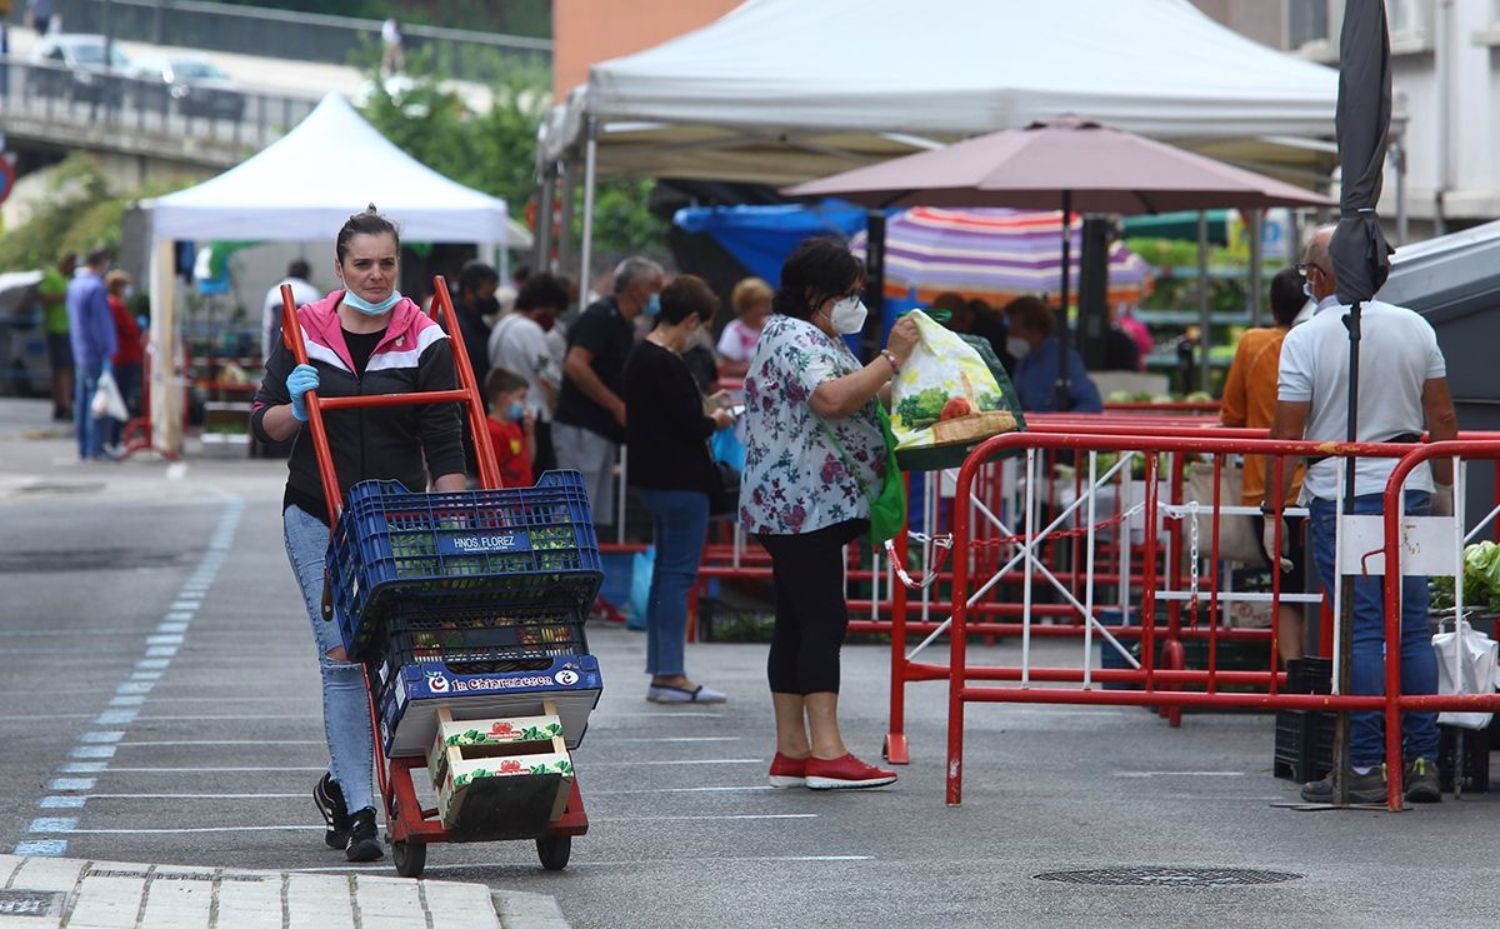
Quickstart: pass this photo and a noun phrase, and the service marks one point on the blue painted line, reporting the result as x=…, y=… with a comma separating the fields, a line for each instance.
x=178, y=628
x=127, y=701
x=83, y=767
x=161, y=651
x=71, y=783
x=134, y=687
x=116, y=717
x=145, y=675
x=94, y=751
x=163, y=640
x=62, y=803
x=48, y=824
x=42, y=848
x=102, y=738
x=153, y=664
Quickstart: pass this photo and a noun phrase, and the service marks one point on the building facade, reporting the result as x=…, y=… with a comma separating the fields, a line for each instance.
x=1445, y=75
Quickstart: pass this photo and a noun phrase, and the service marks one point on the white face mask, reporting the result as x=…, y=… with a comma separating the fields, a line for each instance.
x=848, y=316
x=1018, y=347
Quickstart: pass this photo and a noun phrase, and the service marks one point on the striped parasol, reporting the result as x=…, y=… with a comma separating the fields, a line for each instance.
x=994, y=254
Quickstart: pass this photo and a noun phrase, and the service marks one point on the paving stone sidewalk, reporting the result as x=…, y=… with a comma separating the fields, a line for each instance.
x=53, y=893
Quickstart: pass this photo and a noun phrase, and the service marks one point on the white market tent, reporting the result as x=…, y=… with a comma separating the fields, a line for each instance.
x=304, y=185
x=779, y=91
x=302, y=188
x=783, y=91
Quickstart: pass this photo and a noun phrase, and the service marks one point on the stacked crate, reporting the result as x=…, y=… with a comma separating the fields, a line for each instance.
x=469, y=607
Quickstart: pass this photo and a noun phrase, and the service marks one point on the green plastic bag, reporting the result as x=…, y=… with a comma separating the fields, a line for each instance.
x=888, y=503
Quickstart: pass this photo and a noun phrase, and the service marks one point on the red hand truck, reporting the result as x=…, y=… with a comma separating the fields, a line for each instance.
x=411, y=828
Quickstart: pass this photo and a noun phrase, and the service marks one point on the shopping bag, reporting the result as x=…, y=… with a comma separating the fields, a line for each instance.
x=727, y=447
x=1474, y=653
x=107, y=401
x=888, y=501
x=1237, y=538
x=944, y=393
x=642, y=567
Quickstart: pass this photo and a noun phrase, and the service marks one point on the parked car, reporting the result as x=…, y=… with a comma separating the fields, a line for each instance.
x=24, y=367
x=73, y=66
x=194, y=86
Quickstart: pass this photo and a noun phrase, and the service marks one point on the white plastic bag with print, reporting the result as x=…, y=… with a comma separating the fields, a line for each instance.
x=944, y=393
x=1475, y=655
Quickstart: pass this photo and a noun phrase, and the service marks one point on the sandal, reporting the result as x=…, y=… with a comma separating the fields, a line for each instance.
x=666, y=693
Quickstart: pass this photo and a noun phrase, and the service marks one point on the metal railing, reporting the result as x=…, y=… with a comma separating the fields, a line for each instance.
x=113, y=112
x=457, y=53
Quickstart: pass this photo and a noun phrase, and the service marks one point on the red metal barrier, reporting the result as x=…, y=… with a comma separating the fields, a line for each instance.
x=1160, y=686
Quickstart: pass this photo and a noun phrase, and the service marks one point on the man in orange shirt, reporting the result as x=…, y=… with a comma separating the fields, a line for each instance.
x=1250, y=401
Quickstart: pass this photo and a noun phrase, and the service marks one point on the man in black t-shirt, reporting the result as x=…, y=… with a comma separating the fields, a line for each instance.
x=590, y=421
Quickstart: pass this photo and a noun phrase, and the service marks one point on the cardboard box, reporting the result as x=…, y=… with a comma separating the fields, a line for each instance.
x=411, y=695
x=508, y=787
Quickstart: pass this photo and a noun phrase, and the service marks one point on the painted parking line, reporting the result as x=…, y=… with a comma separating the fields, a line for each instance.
x=673, y=762
x=230, y=770
x=100, y=745
x=195, y=830
x=682, y=738
x=218, y=796
x=754, y=788
x=706, y=817
x=211, y=742
x=1178, y=774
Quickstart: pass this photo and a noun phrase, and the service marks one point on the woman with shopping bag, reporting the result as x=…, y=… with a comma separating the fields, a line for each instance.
x=817, y=460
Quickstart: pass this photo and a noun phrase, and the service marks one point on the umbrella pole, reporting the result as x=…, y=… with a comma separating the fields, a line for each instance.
x=1205, y=310
x=1060, y=391
x=1341, y=769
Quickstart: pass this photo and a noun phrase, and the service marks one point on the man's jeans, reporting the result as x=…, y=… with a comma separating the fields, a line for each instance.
x=90, y=429
x=346, y=711
x=679, y=519
x=1367, y=671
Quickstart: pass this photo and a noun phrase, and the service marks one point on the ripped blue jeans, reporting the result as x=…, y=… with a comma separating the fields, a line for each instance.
x=346, y=710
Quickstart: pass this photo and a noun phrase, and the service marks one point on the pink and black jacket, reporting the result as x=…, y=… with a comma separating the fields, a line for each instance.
x=384, y=443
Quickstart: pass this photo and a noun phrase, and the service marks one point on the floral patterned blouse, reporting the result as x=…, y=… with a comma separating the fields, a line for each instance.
x=795, y=479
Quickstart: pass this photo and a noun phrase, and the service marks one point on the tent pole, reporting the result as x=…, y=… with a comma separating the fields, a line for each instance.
x=874, y=284
x=1346, y=582
x=586, y=247
x=565, y=220
x=542, y=257
x=1397, y=153
x=1205, y=317
x=1060, y=392
x=1257, y=260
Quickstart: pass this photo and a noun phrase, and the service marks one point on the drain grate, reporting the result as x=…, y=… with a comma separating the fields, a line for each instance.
x=1169, y=877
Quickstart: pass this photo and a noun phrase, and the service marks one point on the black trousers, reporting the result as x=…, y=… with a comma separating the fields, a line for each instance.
x=807, y=572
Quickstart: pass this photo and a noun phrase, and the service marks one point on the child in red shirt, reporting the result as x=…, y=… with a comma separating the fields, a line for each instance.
x=512, y=427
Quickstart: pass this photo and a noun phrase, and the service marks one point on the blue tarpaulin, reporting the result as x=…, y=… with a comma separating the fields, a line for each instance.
x=760, y=237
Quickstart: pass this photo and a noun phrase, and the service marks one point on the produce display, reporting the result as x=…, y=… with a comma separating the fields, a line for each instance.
x=1481, y=581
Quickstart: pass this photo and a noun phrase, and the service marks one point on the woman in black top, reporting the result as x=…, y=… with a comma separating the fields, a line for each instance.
x=666, y=436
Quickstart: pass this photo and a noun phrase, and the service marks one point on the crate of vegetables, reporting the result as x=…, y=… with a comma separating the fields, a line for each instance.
x=490, y=635
x=400, y=553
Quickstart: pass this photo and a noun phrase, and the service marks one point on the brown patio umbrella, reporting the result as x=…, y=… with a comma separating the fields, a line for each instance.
x=1088, y=167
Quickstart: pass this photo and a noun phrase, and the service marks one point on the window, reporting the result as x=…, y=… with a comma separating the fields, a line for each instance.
x=1409, y=17
x=1307, y=22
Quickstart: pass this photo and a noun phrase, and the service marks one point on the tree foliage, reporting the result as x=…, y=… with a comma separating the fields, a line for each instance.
x=80, y=213
x=495, y=150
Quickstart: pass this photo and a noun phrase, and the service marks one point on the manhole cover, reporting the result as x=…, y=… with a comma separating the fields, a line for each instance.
x=1169, y=877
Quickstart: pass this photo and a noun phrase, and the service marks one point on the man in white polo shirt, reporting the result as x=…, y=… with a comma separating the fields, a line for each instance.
x=1403, y=383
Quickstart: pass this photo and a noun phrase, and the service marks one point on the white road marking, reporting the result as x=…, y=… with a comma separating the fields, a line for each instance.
x=194, y=830
x=319, y=768
x=679, y=790
x=707, y=817
x=673, y=761
x=229, y=742
x=220, y=796
x=1179, y=774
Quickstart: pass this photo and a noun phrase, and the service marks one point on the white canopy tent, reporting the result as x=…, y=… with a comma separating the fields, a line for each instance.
x=781, y=91
x=302, y=188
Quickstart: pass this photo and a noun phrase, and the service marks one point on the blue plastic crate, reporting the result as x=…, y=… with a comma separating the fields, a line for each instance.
x=397, y=553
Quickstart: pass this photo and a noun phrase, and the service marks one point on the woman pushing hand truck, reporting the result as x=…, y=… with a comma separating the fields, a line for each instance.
x=363, y=339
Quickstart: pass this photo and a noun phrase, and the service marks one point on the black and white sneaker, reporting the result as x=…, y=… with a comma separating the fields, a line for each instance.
x=364, y=841
x=329, y=800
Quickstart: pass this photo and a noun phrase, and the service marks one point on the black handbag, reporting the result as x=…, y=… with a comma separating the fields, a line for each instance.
x=724, y=500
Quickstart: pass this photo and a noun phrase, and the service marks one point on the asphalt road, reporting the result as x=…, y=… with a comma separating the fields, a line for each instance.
x=210, y=762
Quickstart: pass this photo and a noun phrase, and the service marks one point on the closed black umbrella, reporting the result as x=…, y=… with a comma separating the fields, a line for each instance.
x=1360, y=255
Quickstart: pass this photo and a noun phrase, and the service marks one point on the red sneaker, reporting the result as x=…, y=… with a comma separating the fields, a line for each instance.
x=846, y=773
x=788, y=772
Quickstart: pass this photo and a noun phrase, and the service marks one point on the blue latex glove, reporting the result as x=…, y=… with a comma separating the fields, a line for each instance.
x=302, y=379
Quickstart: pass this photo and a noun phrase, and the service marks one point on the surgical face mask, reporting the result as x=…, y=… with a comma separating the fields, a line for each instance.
x=848, y=316
x=1017, y=347
x=653, y=307
x=356, y=302
x=516, y=411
